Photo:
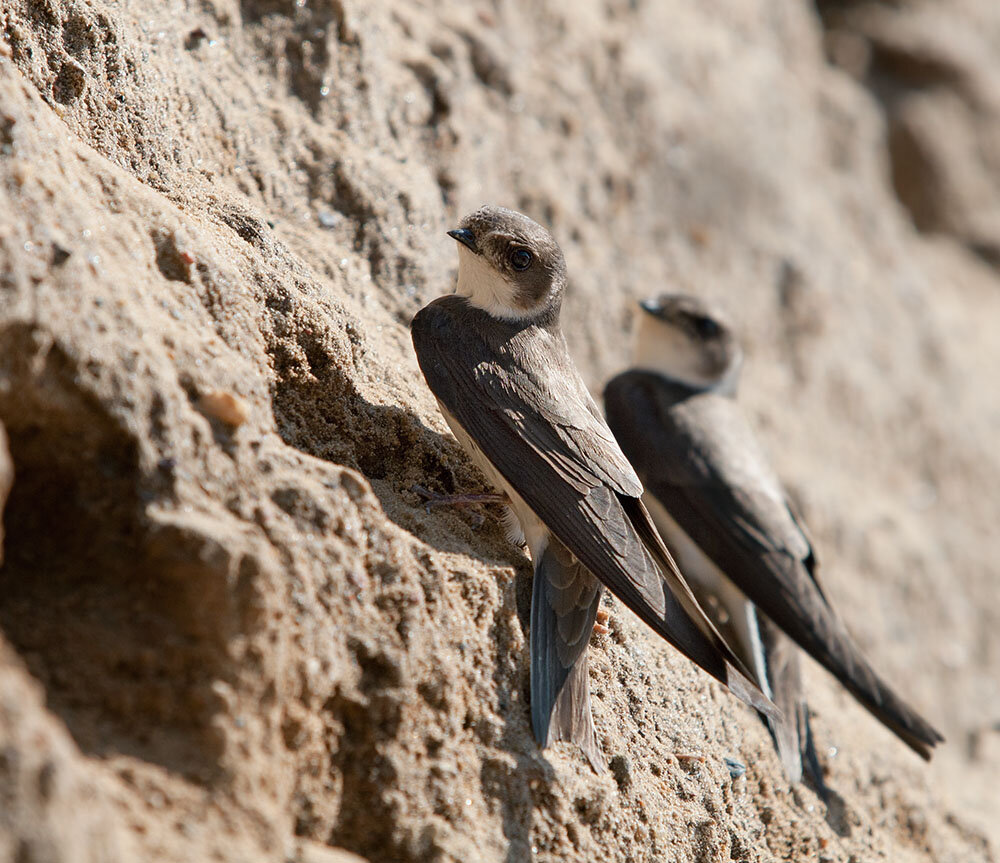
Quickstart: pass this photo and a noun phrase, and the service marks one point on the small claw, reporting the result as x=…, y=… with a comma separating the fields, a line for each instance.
x=426, y=494
x=432, y=499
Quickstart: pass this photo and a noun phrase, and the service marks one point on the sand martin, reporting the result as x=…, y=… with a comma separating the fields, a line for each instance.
x=727, y=519
x=494, y=356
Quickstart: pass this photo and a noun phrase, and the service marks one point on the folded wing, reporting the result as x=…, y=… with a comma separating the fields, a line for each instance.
x=700, y=460
x=517, y=394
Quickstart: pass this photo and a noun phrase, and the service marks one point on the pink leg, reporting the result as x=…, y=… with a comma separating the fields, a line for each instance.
x=432, y=498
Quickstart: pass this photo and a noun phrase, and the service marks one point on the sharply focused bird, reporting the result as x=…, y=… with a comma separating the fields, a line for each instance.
x=726, y=517
x=494, y=356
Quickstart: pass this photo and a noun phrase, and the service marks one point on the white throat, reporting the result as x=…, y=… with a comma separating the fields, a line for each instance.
x=666, y=351
x=486, y=288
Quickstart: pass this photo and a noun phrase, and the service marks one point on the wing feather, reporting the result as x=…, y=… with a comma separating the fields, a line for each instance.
x=699, y=459
x=517, y=394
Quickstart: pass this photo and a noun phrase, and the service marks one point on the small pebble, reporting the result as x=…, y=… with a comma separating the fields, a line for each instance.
x=328, y=218
x=226, y=407
x=736, y=770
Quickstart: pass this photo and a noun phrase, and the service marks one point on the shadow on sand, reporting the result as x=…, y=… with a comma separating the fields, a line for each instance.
x=329, y=419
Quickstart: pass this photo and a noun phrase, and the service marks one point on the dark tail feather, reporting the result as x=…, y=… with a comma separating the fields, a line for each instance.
x=783, y=677
x=876, y=696
x=810, y=760
x=822, y=634
x=564, y=602
x=793, y=736
x=898, y=717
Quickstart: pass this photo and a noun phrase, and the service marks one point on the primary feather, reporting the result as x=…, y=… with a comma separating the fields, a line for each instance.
x=514, y=391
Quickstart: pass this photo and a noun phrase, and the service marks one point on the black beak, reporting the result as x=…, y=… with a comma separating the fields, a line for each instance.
x=653, y=307
x=465, y=238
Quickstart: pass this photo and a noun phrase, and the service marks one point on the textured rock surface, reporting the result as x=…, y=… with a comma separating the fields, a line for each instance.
x=230, y=631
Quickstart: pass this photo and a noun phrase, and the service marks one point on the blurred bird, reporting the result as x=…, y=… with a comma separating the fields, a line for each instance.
x=494, y=356
x=726, y=517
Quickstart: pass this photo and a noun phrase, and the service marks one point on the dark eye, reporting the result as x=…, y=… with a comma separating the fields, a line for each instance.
x=520, y=259
x=706, y=327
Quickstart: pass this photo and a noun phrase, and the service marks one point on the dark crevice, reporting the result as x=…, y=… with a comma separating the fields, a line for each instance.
x=123, y=622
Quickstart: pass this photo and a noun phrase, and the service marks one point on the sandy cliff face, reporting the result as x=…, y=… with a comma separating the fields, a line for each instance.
x=228, y=630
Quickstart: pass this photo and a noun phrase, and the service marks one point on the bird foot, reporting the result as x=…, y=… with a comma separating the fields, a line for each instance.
x=432, y=499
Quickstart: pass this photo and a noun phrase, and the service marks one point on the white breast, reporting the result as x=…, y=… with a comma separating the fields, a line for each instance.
x=531, y=528
x=703, y=574
x=486, y=288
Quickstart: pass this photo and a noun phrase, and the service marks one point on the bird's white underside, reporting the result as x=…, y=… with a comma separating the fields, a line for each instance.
x=486, y=288
x=521, y=524
x=524, y=527
x=699, y=569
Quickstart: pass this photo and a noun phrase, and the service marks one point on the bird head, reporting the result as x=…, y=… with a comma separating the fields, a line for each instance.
x=509, y=265
x=680, y=337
